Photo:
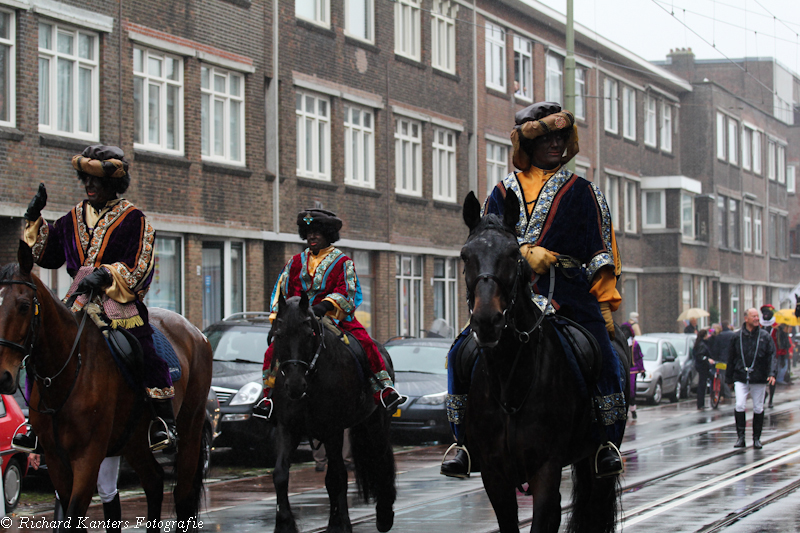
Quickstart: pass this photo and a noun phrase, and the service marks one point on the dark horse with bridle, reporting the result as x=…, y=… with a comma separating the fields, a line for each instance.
x=321, y=390
x=80, y=405
x=526, y=416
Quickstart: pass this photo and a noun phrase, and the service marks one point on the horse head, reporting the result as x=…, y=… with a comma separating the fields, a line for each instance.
x=296, y=336
x=493, y=266
x=19, y=310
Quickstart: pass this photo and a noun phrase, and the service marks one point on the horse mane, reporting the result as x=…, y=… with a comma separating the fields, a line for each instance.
x=491, y=222
x=7, y=271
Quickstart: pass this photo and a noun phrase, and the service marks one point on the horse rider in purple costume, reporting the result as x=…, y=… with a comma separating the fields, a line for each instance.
x=560, y=213
x=107, y=245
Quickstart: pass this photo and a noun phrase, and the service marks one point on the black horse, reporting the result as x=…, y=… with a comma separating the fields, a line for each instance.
x=526, y=417
x=320, y=391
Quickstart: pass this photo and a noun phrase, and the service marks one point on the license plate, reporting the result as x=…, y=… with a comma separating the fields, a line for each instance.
x=397, y=413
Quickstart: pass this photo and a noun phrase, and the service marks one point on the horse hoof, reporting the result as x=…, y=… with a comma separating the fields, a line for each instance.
x=384, y=521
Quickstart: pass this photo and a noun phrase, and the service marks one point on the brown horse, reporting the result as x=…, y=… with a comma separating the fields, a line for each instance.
x=80, y=405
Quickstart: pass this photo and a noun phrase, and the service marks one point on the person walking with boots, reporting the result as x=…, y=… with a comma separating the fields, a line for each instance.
x=751, y=365
x=702, y=363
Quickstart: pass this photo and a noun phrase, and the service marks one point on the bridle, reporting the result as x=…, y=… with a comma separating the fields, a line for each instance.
x=30, y=339
x=309, y=367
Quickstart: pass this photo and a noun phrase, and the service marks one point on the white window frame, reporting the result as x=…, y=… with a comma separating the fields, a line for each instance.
x=771, y=160
x=733, y=141
x=407, y=28
x=554, y=78
x=756, y=152
x=747, y=234
x=79, y=64
x=790, y=179
x=758, y=235
x=449, y=283
x=722, y=133
x=161, y=82
x=359, y=139
x=496, y=164
x=687, y=222
x=369, y=20
x=443, y=162
x=407, y=298
x=662, y=222
x=747, y=147
x=227, y=99
x=650, y=121
x=10, y=43
x=580, y=93
x=781, y=162
x=666, y=127
x=611, y=105
x=612, y=198
x=734, y=224
x=630, y=206
x=495, y=57
x=319, y=122
x=321, y=9
x=443, y=35
x=523, y=68
x=409, y=182
x=629, y=112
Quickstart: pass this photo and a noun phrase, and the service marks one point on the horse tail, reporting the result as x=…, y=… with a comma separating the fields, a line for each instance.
x=595, y=502
x=374, y=465
x=189, y=507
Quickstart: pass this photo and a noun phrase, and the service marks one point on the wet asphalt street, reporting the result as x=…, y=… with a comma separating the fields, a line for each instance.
x=682, y=475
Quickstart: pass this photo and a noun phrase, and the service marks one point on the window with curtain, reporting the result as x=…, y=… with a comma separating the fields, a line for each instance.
x=317, y=11
x=771, y=161
x=445, y=293
x=580, y=93
x=747, y=215
x=630, y=206
x=666, y=127
x=721, y=137
x=747, y=148
x=222, y=115
x=359, y=147
x=495, y=57
x=408, y=275
x=722, y=221
x=780, y=151
x=734, y=242
x=523, y=68
x=223, y=271
x=406, y=28
x=687, y=215
x=157, y=101
x=629, y=113
x=733, y=140
x=408, y=156
x=757, y=231
x=359, y=19
x=496, y=165
x=554, y=80
x=610, y=105
x=165, y=289
x=443, y=35
x=8, y=73
x=650, y=125
x=68, y=81
x=612, y=198
x=312, y=114
x=444, y=165
x=653, y=206
x=757, y=152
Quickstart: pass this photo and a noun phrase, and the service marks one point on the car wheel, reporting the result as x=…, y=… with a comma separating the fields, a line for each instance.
x=205, y=450
x=658, y=394
x=12, y=484
x=676, y=395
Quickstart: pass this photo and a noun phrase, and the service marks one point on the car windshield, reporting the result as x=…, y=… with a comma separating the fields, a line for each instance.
x=649, y=350
x=415, y=358
x=240, y=343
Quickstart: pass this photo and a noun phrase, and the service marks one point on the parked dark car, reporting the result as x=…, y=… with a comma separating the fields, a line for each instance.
x=239, y=342
x=684, y=345
x=420, y=374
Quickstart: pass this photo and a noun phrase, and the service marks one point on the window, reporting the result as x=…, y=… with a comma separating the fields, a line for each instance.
x=629, y=113
x=8, y=56
x=612, y=198
x=443, y=35
x=68, y=81
x=722, y=221
x=359, y=19
x=734, y=320
x=650, y=121
x=554, y=80
x=363, y=264
x=408, y=156
x=781, y=228
x=733, y=224
x=359, y=147
x=222, y=115
x=721, y=137
x=495, y=57
x=747, y=147
x=666, y=127
x=313, y=136
x=747, y=212
x=496, y=165
x=686, y=291
x=757, y=231
x=445, y=293
x=654, y=208
x=630, y=207
x=610, y=105
x=444, y=165
x=157, y=101
x=630, y=295
x=757, y=152
x=781, y=157
x=771, y=163
x=317, y=11
x=790, y=179
x=733, y=140
x=409, y=294
x=165, y=289
x=523, y=68
x=580, y=93
x=223, y=280
x=687, y=215
x=406, y=28
x=748, y=297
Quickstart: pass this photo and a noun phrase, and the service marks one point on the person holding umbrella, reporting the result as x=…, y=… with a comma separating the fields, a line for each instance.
x=691, y=315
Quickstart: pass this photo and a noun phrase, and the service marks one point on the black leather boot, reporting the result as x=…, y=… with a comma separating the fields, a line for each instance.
x=112, y=515
x=26, y=442
x=607, y=461
x=58, y=515
x=458, y=466
x=740, y=422
x=163, y=434
x=758, y=425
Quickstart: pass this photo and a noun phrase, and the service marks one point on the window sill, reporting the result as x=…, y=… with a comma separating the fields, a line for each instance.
x=143, y=156
x=409, y=61
x=11, y=134
x=658, y=231
x=451, y=206
x=363, y=191
x=366, y=45
x=614, y=134
x=653, y=148
x=68, y=143
x=316, y=184
x=404, y=199
x=230, y=170
x=666, y=154
x=693, y=242
x=447, y=75
x=630, y=141
x=322, y=30
x=498, y=93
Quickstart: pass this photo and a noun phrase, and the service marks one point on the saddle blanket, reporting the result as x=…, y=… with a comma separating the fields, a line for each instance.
x=163, y=349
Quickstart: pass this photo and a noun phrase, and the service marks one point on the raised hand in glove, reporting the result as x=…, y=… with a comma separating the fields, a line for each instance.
x=99, y=279
x=605, y=309
x=322, y=308
x=538, y=258
x=37, y=204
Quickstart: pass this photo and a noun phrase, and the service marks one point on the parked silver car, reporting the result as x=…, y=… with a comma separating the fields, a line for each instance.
x=684, y=345
x=662, y=370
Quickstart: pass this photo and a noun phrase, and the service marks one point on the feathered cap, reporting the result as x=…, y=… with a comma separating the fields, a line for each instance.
x=540, y=119
x=101, y=161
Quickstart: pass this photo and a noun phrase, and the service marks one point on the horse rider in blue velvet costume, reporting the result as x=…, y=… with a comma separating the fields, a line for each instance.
x=560, y=213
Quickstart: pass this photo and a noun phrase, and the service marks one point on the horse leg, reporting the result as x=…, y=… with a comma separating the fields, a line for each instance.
x=151, y=476
x=84, y=480
x=503, y=497
x=595, y=502
x=285, y=443
x=546, y=498
x=189, y=472
x=336, y=483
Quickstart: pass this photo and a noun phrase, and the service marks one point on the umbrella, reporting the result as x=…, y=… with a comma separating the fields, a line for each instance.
x=692, y=312
x=786, y=316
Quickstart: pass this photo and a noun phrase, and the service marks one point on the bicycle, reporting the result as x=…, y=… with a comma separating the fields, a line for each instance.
x=715, y=384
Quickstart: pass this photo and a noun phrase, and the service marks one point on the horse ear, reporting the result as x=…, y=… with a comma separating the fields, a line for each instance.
x=281, y=301
x=303, y=301
x=25, y=258
x=511, y=210
x=471, y=211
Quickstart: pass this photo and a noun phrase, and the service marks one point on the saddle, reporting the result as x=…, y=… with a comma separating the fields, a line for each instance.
x=354, y=347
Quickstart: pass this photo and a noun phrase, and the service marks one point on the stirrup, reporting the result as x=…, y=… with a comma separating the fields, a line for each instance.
x=161, y=445
x=456, y=446
x=25, y=449
x=399, y=401
x=263, y=404
x=605, y=446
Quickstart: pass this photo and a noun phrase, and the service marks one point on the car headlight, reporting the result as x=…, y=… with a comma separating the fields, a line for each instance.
x=433, y=399
x=248, y=394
